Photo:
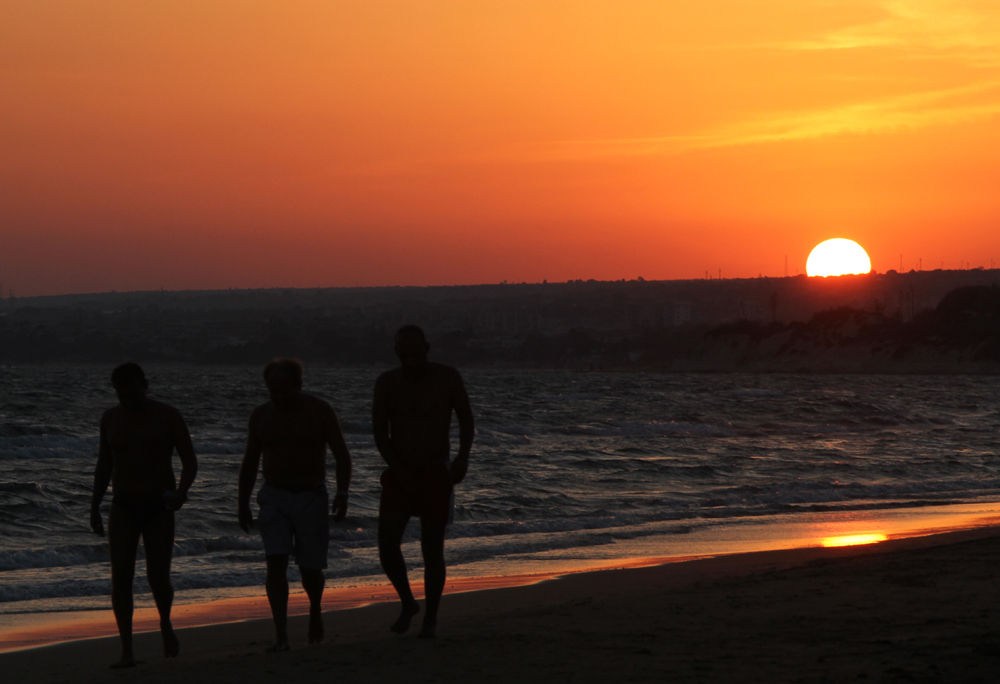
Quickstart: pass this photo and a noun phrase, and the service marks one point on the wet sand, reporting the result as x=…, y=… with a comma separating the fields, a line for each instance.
x=923, y=609
x=43, y=630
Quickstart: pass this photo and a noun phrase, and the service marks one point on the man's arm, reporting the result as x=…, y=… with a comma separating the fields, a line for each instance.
x=342, y=457
x=380, y=429
x=466, y=428
x=248, y=472
x=189, y=462
x=102, y=478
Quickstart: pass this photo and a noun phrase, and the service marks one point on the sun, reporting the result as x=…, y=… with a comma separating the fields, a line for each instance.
x=838, y=257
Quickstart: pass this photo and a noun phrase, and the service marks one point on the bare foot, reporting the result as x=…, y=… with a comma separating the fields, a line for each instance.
x=126, y=661
x=428, y=631
x=406, y=614
x=316, y=632
x=278, y=647
x=171, y=646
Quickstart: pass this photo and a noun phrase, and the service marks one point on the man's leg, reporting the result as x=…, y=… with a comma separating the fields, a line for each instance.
x=277, y=595
x=432, y=546
x=158, y=540
x=123, y=541
x=391, y=527
x=313, y=581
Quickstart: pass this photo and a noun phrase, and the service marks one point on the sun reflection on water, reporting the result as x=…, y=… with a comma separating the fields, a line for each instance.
x=854, y=539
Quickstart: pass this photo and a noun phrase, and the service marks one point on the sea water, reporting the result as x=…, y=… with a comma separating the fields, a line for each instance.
x=566, y=468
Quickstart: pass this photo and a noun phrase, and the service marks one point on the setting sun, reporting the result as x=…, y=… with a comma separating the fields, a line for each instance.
x=838, y=257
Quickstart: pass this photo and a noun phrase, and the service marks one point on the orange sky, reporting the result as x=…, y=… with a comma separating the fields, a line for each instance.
x=209, y=144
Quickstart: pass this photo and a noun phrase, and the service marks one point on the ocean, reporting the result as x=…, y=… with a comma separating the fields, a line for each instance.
x=568, y=469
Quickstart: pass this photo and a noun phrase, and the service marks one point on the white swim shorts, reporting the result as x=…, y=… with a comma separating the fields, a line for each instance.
x=295, y=524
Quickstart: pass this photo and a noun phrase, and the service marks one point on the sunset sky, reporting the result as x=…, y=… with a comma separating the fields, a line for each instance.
x=212, y=144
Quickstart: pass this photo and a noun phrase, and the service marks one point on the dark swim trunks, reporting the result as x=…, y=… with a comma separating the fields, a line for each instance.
x=141, y=510
x=432, y=501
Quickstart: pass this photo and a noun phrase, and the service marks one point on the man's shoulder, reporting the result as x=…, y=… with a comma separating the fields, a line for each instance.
x=165, y=409
x=111, y=413
x=436, y=370
x=389, y=375
x=388, y=380
x=259, y=412
x=449, y=373
x=314, y=403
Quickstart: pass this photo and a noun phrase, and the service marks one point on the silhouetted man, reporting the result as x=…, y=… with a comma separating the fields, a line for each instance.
x=138, y=438
x=411, y=418
x=292, y=431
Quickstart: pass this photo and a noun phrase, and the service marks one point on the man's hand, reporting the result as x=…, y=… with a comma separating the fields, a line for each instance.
x=246, y=517
x=339, y=506
x=458, y=468
x=97, y=523
x=174, y=499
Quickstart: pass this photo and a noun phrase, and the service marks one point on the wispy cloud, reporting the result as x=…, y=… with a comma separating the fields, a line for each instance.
x=965, y=32
x=969, y=25
x=941, y=107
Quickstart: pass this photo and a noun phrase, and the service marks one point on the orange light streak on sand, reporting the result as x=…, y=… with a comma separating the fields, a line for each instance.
x=854, y=540
x=238, y=609
x=256, y=607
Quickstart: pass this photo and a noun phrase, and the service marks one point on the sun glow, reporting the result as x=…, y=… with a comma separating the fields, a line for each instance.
x=838, y=257
x=854, y=540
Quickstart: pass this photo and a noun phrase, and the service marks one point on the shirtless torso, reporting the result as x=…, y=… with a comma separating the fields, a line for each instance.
x=293, y=442
x=411, y=415
x=138, y=445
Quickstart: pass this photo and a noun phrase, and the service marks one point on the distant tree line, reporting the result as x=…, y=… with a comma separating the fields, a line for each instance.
x=966, y=318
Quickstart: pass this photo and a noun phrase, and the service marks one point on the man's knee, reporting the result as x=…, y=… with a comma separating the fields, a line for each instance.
x=122, y=573
x=159, y=581
x=312, y=579
x=392, y=524
x=121, y=589
x=388, y=547
x=277, y=566
x=432, y=538
x=312, y=574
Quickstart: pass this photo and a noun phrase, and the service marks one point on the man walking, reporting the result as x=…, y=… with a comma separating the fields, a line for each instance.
x=137, y=441
x=411, y=419
x=292, y=432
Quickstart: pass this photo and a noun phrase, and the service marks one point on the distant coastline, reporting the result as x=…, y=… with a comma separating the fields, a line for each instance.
x=874, y=323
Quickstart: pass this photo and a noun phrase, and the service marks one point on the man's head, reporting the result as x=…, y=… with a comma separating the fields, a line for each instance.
x=283, y=377
x=130, y=384
x=411, y=346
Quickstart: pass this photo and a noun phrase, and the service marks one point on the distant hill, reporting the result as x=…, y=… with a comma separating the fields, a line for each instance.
x=962, y=333
x=891, y=322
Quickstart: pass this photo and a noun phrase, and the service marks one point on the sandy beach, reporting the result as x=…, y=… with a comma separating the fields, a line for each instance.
x=905, y=610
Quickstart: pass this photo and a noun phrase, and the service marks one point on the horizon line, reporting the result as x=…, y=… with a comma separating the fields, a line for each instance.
x=576, y=281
